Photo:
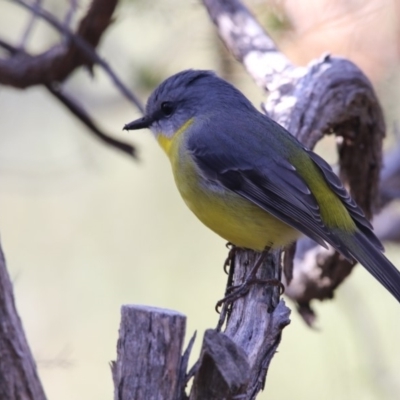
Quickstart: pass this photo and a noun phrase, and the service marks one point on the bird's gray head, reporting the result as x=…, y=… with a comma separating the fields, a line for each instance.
x=187, y=96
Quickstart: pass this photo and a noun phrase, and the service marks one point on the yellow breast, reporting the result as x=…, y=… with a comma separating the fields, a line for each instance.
x=234, y=218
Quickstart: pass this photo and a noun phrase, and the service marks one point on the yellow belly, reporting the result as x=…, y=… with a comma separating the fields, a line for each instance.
x=234, y=218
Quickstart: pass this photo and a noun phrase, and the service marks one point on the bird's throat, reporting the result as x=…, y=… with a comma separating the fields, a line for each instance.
x=167, y=141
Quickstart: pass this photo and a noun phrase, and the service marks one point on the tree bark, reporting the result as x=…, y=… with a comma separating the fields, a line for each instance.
x=18, y=374
x=148, y=354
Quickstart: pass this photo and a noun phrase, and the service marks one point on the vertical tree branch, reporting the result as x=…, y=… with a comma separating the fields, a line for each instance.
x=148, y=354
x=234, y=364
x=18, y=374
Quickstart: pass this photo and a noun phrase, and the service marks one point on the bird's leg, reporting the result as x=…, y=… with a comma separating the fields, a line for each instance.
x=233, y=293
x=229, y=263
x=252, y=276
x=229, y=266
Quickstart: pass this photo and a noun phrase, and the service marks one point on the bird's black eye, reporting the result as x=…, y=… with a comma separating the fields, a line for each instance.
x=167, y=108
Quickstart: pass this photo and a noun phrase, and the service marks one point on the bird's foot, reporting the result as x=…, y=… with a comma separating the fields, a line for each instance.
x=234, y=293
x=230, y=260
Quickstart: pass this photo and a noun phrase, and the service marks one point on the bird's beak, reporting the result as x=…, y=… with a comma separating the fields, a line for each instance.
x=140, y=123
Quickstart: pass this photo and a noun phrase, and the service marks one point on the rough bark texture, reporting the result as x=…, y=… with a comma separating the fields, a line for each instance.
x=256, y=321
x=330, y=96
x=232, y=364
x=252, y=334
x=223, y=371
x=148, y=354
x=18, y=374
x=334, y=97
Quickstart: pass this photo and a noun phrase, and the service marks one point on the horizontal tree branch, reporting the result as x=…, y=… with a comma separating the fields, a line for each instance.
x=85, y=118
x=56, y=64
x=79, y=112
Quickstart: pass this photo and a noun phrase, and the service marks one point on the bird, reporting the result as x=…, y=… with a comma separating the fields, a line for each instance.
x=251, y=181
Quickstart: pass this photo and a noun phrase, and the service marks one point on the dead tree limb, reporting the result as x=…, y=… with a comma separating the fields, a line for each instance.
x=232, y=365
x=58, y=62
x=79, y=49
x=148, y=354
x=223, y=370
x=387, y=222
x=18, y=373
x=54, y=66
x=330, y=96
x=79, y=111
x=252, y=335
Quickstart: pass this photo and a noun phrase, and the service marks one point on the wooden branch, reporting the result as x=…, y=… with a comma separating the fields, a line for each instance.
x=256, y=321
x=331, y=96
x=18, y=374
x=335, y=97
x=49, y=68
x=387, y=223
x=223, y=371
x=389, y=187
x=57, y=63
x=77, y=109
x=79, y=112
x=148, y=354
x=71, y=12
x=246, y=40
x=234, y=365
x=29, y=28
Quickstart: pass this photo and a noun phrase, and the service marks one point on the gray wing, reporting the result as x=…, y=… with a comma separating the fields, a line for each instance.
x=274, y=185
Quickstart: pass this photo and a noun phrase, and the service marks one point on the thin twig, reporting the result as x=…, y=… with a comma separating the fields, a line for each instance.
x=71, y=12
x=79, y=111
x=85, y=48
x=29, y=27
x=84, y=117
x=9, y=47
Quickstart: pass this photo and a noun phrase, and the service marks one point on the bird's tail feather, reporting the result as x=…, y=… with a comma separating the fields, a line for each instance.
x=374, y=262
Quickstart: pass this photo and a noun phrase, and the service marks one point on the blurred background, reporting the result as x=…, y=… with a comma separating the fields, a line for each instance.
x=86, y=229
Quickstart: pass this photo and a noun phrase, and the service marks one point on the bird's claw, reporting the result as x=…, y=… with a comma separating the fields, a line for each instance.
x=231, y=256
x=233, y=293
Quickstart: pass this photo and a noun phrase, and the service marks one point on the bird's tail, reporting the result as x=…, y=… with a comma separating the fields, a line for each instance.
x=372, y=258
